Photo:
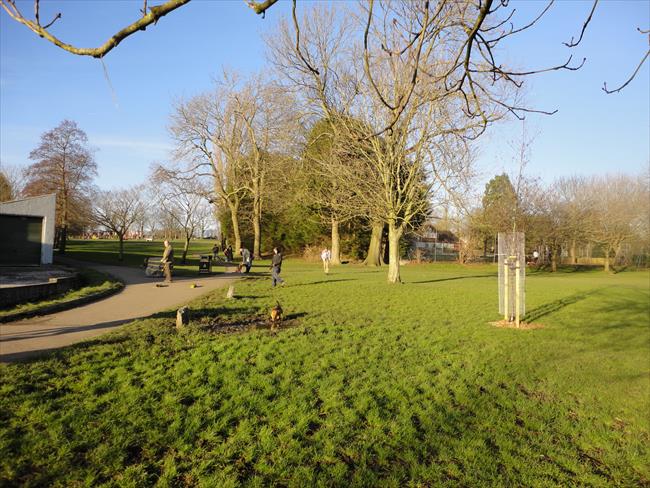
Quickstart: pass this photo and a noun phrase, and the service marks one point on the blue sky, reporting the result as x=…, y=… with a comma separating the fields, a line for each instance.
x=41, y=85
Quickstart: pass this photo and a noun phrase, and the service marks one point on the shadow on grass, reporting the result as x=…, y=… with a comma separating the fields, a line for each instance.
x=551, y=307
x=55, y=331
x=564, y=269
x=320, y=282
x=454, y=278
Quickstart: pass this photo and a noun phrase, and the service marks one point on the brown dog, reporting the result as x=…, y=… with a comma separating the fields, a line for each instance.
x=276, y=316
x=239, y=268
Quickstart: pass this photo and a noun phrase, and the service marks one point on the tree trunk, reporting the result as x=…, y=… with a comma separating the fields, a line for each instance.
x=553, y=260
x=64, y=239
x=373, y=258
x=572, y=252
x=385, y=249
x=394, y=235
x=336, y=243
x=235, y=227
x=257, y=228
x=121, y=256
x=185, y=248
x=64, y=223
x=607, y=260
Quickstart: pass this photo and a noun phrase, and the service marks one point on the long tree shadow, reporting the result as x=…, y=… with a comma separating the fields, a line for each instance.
x=309, y=283
x=455, y=278
x=554, y=306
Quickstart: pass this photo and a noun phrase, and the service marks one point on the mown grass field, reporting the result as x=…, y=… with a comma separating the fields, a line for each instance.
x=105, y=251
x=366, y=384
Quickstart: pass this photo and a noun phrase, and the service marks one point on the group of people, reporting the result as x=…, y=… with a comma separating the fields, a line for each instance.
x=227, y=252
x=246, y=264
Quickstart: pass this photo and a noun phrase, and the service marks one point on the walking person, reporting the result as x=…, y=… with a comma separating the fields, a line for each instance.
x=246, y=259
x=228, y=253
x=215, y=252
x=167, y=261
x=276, y=267
x=326, y=256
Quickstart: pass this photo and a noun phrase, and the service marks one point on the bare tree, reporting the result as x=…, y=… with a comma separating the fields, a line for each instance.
x=64, y=165
x=267, y=117
x=211, y=136
x=118, y=210
x=620, y=206
x=15, y=178
x=332, y=199
x=394, y=109
x=183, y=201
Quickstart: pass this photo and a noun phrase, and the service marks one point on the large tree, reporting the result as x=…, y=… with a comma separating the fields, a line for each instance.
x=210, y=137
x=6, y=191
x=118, y=211
x=183, y=201
x=64, y=165
x=394, y=97
x=620, y=208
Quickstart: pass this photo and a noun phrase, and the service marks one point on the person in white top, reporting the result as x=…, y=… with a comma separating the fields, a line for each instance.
x=326, y=256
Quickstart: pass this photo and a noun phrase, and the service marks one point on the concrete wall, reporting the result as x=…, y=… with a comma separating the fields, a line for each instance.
x=14, y=295
x=43, y=206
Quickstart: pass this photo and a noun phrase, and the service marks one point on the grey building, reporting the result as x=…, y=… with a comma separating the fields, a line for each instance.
x=27, y=231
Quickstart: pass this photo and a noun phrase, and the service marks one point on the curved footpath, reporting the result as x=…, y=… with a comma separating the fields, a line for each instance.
x=139, y=298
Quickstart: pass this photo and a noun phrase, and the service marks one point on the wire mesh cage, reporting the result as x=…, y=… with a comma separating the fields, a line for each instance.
x=512, y=275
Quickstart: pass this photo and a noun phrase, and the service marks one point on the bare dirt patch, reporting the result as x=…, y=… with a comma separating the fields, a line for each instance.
x=504, y=324
x=224, y=325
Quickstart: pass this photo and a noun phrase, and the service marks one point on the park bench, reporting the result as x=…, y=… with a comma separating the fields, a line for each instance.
x=153, y=267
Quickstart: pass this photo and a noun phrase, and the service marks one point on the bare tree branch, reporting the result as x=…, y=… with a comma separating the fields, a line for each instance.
x=261, y=7
x=629, y=79
x=152, y=17
x=584, y=27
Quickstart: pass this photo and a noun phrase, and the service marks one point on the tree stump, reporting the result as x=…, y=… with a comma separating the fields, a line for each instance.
x=182, y=317
x=231, y=292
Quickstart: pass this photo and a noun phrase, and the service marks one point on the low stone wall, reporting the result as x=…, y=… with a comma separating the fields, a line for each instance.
x=13, y=295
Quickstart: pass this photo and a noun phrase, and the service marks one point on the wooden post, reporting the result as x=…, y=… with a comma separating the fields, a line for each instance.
x=231, y=292
x=182, y=317
x=517, y=295
x=506, y=312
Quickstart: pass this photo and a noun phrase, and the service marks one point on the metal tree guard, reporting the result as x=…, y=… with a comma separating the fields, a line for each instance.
x=512, y=276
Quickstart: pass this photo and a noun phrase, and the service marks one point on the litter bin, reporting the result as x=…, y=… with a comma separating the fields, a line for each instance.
x=205, y=263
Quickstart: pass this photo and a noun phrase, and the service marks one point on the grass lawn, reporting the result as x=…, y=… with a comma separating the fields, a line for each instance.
x=105, y=251
x=93, y=282
x=366, y=384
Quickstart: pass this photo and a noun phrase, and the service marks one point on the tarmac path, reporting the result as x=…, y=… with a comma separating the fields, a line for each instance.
x=140, y=298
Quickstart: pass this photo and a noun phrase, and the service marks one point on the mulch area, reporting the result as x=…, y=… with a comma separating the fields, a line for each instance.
x=222, y=325
x=504, y=324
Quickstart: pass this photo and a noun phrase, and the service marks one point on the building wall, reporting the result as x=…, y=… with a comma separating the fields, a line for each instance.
x=43, y=206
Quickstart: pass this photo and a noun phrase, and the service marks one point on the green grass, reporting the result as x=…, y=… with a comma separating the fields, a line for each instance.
x=93, y=282
x=105, y=251
x=367, y=384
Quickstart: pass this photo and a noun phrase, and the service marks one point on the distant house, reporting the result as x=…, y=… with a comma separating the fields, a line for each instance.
x=432, y=244
x=27, y=231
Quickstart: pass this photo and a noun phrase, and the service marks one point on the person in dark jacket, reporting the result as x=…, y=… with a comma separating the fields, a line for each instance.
x=246, y=259
x=228, y=253
x=276, y=267
x=167, y=261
